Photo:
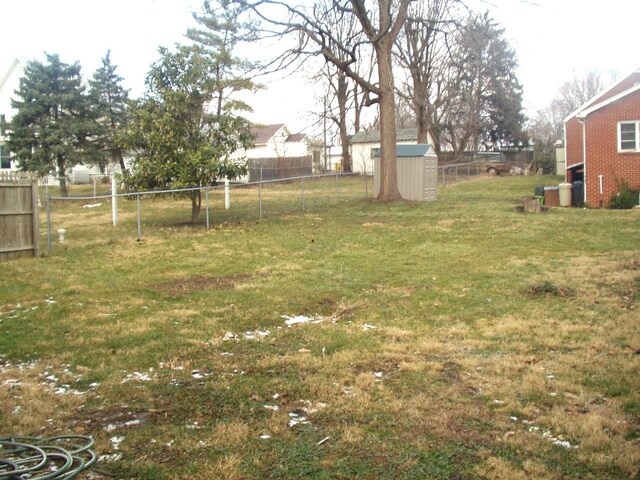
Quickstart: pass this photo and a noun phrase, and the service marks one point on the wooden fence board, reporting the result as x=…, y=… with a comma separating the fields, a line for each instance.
x=279, y=168
x=19, y=222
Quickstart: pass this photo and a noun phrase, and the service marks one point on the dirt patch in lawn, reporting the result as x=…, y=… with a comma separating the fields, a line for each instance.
x=194, y=284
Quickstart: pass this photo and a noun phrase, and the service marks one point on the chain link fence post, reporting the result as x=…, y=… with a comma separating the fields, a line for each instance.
x=48, y=201
x=260, y=193
x=206, y=206
x=139, y=222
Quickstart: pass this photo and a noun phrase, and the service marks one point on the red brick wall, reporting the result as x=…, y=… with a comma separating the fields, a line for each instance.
x=602, y=150
x=574, y=145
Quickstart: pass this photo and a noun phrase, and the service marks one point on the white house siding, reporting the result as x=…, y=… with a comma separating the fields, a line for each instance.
x=363, y=144
x=9, y=82
x=362, y=155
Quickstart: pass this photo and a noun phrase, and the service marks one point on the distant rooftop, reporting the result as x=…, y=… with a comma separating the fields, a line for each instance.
x=373, y=136
x=264, y=133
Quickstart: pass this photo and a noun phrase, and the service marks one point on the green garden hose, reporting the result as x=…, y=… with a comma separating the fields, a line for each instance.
x=61, y=458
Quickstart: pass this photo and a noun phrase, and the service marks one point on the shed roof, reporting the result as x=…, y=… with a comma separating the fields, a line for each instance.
x=419, y=150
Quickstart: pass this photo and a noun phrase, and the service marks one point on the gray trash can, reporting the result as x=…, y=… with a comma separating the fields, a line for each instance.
x=565, y=194
x=578, y=192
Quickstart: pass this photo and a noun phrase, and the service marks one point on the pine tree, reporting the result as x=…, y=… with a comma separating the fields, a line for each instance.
x=220, y=33
x=109, y=102
x=50, y=130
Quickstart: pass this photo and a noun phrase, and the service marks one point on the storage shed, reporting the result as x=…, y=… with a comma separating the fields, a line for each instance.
x=417, y=172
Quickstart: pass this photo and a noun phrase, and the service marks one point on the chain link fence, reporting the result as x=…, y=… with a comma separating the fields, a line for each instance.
x=98, y=213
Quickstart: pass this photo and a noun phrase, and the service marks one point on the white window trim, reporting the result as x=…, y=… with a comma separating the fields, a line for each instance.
x=637, y=125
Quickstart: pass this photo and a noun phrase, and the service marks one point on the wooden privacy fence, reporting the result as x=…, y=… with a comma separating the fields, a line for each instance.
x=19, y=222
x=263, y=169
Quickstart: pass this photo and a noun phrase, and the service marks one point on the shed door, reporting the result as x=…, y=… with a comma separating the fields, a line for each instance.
x=430, y=178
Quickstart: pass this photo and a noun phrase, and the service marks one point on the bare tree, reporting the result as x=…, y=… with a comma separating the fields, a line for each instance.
x=342, y=94
x=580, y=89
x=547, y=125
x=380, y=24
x=479, y=97
x=423, y=52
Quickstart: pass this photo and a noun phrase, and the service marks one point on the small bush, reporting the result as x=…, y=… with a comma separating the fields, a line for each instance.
x=625, y=198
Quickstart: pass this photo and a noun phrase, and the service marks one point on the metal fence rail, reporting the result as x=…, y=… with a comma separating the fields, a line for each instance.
x=101, y=217
x=98, y=213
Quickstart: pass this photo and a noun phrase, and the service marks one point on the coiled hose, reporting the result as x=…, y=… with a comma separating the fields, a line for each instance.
x=61, y=458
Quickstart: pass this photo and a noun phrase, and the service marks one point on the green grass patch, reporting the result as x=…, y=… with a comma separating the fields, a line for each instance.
x=455, y=339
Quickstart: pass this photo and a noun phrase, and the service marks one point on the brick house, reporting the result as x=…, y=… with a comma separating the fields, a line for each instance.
x=602, y=141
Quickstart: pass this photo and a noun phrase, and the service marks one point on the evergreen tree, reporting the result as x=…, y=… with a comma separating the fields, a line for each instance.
x=479, y=104
x=109, y=102
x=49, y=132
x=177, y=142
x=220, y=32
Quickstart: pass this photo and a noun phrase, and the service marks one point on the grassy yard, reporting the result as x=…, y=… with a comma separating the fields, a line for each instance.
x=447, y=340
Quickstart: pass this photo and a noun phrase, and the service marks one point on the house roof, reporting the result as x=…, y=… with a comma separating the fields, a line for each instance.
x=14, y=64
x=296, y=137
x=264, y=133
x=373, y=136
x=583, y=114
x=591, y=101
x=403, y=151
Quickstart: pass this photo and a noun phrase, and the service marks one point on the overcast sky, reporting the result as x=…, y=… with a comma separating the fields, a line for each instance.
x=554, y=40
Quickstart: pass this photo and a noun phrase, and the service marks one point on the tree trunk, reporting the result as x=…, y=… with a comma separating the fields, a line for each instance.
x=196, y=204
x=388, y=135
x=422, y=119
x=357, y=109
x=62, y=177
x=116, y=155
x=342, y=121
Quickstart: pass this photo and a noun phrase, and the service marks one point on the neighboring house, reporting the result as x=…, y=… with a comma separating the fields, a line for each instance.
x=9, y=82
x=278, y=153
x=602, y=141
x=364, y=144
x=276, y=141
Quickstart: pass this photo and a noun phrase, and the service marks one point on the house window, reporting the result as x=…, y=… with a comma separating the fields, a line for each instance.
x=629, y=136
x=5, y=160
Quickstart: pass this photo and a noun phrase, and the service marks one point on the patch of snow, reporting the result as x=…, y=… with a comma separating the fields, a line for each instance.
x=116, y=441
x=297, y=418
x=139, y=376
x=114, y=457
x=229, y=336
x=297, y=319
